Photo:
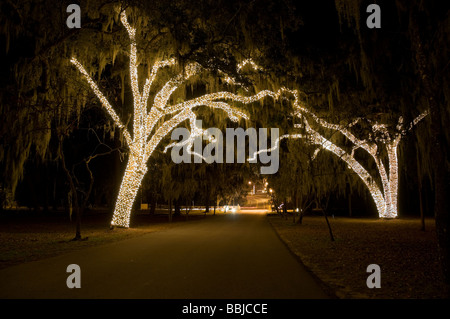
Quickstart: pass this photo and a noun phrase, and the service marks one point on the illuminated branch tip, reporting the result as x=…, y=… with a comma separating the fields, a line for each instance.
x=152, y=124
x=385, y=197
x=103, y=100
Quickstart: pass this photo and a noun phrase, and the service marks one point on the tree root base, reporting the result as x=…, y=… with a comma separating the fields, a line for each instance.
x=79, y=239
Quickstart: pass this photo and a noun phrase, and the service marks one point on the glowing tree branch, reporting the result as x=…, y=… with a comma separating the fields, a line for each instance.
x=385, y=197
x=152, y=123
x=103, y=100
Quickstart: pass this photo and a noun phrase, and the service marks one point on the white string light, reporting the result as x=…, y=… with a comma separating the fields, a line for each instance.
x=385, y=198
x=276, y=144
x=154, y=121
x=252, y=64
x=103, y=100
x=144, y=143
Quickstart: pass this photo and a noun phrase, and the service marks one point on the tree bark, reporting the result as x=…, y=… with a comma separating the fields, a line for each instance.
x=439, y=151
x=127, y=193
x=350, y=213
x=301, y=209
x=152, y=205
x=177, y=211
x=328, y=224
x=170, y=210
x=73, y=189
x=419, y=186
x=323, y=208
x=186, y=212
x=207, y=195
x=294, y=210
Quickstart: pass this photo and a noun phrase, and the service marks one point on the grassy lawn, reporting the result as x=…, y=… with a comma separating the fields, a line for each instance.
x=27, y=236
x=406, y=255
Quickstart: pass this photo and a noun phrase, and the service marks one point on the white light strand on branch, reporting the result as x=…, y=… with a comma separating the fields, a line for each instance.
x=276, y=145
x=252, y=64
x=233, y=114
x=385, y=198
x=195, y=132
x=103, y=100
x=150, y=124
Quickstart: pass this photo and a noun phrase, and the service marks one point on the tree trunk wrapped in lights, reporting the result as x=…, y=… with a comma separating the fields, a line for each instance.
x=385, y=197
x=134, y=173
x=151, y=126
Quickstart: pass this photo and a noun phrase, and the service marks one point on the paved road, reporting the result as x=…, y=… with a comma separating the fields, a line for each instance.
x=223, y=256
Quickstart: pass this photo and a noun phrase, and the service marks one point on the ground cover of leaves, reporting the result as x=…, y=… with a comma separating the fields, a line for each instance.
x=29, y=236
x=407, y=256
